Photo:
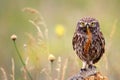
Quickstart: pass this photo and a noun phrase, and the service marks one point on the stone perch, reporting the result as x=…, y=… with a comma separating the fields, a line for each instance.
x=88, y=74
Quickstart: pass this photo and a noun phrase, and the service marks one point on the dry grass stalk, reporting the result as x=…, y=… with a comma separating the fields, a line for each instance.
x=38, y=21
x=13, y=70
x=64, y=69
x=24, y=74
x=58, y=68
x=37, y=27
x=30, y=10
x=110, y=42
x=113, y=29
x=112, y=34
x=4, y=74
x=47, y=74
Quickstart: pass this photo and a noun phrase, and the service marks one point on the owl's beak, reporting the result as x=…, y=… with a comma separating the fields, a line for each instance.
x=88, y=29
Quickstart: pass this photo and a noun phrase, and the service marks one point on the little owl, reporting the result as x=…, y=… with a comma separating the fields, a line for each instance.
x=88, y=41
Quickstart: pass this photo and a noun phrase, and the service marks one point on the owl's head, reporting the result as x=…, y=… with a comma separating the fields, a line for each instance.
x=88, y=23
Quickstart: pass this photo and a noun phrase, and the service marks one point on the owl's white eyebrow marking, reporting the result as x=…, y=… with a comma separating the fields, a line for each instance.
x=80, y=21
x=94, y=21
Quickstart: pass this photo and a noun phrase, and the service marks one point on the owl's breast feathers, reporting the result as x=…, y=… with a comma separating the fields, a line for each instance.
x=88, y=41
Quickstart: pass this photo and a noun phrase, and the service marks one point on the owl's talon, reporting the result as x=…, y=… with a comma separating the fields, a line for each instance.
x=83, y=69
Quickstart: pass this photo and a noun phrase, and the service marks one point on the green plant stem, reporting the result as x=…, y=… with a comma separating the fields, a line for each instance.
x=24, y=65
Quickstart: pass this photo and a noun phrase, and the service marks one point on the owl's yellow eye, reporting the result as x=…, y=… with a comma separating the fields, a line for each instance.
x=82, y=24
x=93, y=24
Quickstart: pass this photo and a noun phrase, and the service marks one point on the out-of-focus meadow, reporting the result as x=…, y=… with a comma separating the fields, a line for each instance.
x=44, y=30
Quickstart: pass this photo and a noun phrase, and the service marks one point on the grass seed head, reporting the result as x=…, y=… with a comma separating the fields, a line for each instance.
x=13, y=37
x=51, y=58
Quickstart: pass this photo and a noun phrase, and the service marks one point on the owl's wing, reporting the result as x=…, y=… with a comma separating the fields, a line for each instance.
x=102, y=43
x=76, y=40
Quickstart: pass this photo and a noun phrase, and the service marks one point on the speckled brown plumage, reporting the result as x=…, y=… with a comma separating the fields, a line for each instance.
x=88, y=41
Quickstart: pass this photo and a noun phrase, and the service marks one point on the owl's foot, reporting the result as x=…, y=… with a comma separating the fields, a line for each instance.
x=83, y=69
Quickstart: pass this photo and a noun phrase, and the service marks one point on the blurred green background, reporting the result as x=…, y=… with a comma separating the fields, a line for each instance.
x=60, y=12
